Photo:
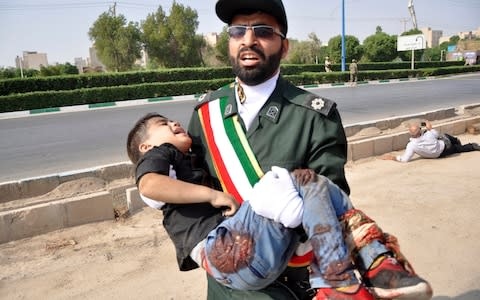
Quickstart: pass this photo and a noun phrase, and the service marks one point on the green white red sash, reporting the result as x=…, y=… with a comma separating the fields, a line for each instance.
x=233, y=159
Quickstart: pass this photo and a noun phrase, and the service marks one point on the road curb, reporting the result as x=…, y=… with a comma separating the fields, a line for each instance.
x=45, y=217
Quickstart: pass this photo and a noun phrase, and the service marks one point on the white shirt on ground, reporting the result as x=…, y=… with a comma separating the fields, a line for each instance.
x=427, y=146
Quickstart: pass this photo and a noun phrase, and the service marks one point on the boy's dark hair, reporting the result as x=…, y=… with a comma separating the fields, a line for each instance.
x=137, y=135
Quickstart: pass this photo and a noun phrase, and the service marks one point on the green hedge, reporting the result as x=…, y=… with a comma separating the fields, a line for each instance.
x=74, y=82
x=50, y=98
x=339, y=77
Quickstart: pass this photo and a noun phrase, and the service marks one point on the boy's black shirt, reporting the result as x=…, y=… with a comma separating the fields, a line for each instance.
x=186, y=224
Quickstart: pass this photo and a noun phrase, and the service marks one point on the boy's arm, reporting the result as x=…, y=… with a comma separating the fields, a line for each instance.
x=166, y=189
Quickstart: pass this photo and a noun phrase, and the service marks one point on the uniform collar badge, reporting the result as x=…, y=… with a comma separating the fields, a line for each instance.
x=272, y=112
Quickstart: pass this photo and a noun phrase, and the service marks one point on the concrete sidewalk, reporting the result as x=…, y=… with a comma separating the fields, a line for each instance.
x=431, y=206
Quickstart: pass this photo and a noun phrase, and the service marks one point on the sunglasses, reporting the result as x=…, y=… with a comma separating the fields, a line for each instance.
x=261, y=31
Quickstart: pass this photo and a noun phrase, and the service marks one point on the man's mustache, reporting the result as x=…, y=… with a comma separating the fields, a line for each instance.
x=252, y=49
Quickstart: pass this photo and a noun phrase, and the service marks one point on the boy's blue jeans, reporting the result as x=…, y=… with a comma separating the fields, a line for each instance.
x=249, y=252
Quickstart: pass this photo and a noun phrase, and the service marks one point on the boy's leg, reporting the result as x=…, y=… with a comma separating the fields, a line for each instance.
x=390, y=275
x=377, y=254
x=248, y=251
x=332, y=271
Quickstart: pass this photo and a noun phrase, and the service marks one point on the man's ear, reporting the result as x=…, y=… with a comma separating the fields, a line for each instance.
x=144, y=147
x=285, y=46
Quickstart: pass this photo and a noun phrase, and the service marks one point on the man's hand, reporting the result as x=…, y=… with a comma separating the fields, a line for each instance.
x=275, y=197
x=220, y=199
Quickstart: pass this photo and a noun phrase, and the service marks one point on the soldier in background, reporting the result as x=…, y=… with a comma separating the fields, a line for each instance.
x=353, y=72
x=328, y=64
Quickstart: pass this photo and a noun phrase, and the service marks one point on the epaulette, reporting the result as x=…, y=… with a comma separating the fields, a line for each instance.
x=221, y=92
x=319, y=104
x=307, y=99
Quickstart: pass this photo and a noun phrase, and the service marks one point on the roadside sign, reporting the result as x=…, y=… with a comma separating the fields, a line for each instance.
x=411, y=42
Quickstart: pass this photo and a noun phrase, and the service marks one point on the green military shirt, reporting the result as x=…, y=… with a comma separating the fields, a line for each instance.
x=294, y=129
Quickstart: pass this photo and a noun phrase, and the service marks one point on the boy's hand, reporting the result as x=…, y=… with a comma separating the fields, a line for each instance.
x=220, y=199
x=388, y=157
x=304, y=176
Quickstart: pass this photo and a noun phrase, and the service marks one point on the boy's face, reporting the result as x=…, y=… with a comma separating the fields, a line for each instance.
x=161, y=131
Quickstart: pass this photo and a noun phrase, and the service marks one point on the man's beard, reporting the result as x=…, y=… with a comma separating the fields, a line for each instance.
x=259, y=73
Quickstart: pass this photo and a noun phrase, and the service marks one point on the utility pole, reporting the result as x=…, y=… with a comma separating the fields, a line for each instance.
x=411, y=9
x=113, y=9
x=404, y=21
x=20, y=64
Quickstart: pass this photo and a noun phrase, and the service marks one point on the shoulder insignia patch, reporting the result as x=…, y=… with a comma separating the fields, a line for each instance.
x=200, y=99
x=319, y=104
x=221, y=92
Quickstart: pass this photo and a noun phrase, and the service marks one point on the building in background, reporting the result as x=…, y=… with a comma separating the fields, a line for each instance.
x=467, y=49
x=33, y=60
x=469, y=35
x=211, y=39
x=432, y=36
x=80, y=63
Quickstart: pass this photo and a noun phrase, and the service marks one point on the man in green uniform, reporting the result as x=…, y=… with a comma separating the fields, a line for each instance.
x=284, y=126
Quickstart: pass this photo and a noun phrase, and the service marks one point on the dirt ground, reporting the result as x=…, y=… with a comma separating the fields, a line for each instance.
x=430, y=205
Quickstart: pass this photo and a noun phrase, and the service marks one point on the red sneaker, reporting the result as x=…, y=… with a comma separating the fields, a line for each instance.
x=335, y=294
x=391, y=281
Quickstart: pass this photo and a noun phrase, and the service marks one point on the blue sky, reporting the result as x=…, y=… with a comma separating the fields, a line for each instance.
x=60, y=28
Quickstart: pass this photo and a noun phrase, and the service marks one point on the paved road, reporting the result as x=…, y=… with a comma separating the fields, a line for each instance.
x=62, y=142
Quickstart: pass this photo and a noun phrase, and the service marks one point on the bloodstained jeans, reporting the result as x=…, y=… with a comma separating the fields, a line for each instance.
x=249, y=252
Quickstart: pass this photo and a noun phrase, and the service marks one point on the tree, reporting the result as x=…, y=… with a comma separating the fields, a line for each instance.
x=432, y=54
x=60, y=69
x=171, y=40
x=118, y=45
x=353, y=48
x=380, y=46
x=454, y=39
x=304, y=52
x=221, y=48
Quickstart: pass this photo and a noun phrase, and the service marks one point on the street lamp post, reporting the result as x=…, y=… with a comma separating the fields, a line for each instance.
x=20, y=63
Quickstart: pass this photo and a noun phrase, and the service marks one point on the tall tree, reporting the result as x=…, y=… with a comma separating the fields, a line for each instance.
x=59, y=69
x=118, y=45
x=305, y=52
x=353, y=48
x=171, y=40
x=221, y=48
x=380, y=46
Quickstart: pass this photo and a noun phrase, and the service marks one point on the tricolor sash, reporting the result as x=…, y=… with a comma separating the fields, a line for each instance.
x=233, y=159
